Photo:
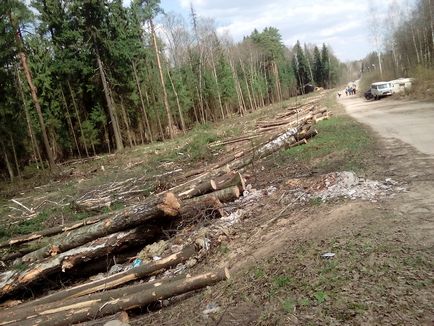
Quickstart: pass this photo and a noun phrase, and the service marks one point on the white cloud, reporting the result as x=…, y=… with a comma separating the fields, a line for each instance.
x=340, y=23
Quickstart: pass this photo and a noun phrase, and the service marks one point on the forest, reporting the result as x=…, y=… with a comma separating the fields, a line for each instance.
x=83, y=77
x=404, y=38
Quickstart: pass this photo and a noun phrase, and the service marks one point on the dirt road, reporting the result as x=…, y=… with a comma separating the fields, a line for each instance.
x=409, y=121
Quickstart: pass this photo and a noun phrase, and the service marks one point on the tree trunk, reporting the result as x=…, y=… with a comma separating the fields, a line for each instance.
x=163, y=85
x=125, y=118
x=247, y=86
x=237, y=90
x=152, y=207
x=217, y=85
x=224, y=195
x=142, y=102
x=201, y=188
x=74, y=103
x=110, y=107
x=33, y=90
x=15, y=279
x=49, y=232
x=14, y=152
x=181, y=115
x=35, y=147
x=71, y=128
x=8, y=163
x=141, y=296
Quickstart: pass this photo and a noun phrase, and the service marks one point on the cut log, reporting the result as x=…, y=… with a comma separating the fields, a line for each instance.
x=153, y=207
x=233, y=140
x=311, y=132
x=231, y=179
x=298, y=143
x=224, y=195
x=283, y=140
x=116, y=279
x=323, y=117
x=201, y=188
x=92, y=309
x=13, y=279
x=49, y=232
x=121, y=318
x=207, y=207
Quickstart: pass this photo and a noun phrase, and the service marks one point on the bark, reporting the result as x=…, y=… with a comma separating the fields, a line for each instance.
x=13, y=280
x=298, y=143
x=49, y=232
x=306, y=134
x=120, y=317
x=110, y=107
x=71, y=127
x=35, y=147
x=8, y=163
x=138, y=297
x=207, y=207
x=163, y=85
x=224, y=195
x=234, y=140
x=142, y=102
x=14, y=152
x=153, y=207
x=217, y=85
x=201, y=188
x=237, y=90
x=283, y=140
x=181, y=115
x=127, y=125
x=247, y=86
x=106, y=283
x=230, y=180
x=77, y=115
x=33, y=90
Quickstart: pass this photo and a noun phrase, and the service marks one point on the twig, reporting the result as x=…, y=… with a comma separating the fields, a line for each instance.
x=18, y=203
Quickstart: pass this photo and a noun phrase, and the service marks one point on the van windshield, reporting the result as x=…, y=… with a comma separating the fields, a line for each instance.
x=381, y=86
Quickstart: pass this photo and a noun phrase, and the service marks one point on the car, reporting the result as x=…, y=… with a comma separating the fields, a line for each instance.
x=368, y=94
x=381, y=89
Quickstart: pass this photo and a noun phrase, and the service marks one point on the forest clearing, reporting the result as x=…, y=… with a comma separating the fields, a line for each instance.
x=156, y=170
x=261, y=238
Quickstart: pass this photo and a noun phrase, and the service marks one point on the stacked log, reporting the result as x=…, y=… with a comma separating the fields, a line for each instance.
x=202, y=196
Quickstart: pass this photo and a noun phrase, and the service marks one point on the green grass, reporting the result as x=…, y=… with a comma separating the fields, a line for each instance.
x=341, y=144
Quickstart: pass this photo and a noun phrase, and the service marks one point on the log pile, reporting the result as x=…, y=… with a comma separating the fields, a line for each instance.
x=64, y=250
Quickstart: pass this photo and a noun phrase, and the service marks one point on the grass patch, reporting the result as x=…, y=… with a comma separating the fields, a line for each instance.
x=341, y=144
x=197, y=149
x=345, y=289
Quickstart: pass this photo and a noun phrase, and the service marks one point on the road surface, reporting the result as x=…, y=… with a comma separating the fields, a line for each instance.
x=409, y=121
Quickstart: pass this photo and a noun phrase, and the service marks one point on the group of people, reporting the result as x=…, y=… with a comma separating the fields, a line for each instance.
x=349, y=90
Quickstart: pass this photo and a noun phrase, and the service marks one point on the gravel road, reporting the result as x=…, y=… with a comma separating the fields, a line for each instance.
x=409, y=121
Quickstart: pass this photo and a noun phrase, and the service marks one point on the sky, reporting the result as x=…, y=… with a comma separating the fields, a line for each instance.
x=342, y=24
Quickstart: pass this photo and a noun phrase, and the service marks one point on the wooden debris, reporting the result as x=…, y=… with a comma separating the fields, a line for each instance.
x=140, y=296
x=153, y=207
x=109, y=282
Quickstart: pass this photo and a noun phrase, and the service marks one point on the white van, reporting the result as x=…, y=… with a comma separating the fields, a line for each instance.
x=401, y=84
x=381, y=89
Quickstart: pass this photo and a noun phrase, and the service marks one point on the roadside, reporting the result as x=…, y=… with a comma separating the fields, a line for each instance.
x=347, y=192
x=382, y=271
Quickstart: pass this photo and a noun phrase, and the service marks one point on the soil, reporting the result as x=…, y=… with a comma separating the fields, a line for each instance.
x=382, y=271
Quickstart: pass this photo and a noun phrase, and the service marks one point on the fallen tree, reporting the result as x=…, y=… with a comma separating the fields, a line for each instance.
x=139, y=296
x=153, y=207
x=98, y=285
x=15, y=279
